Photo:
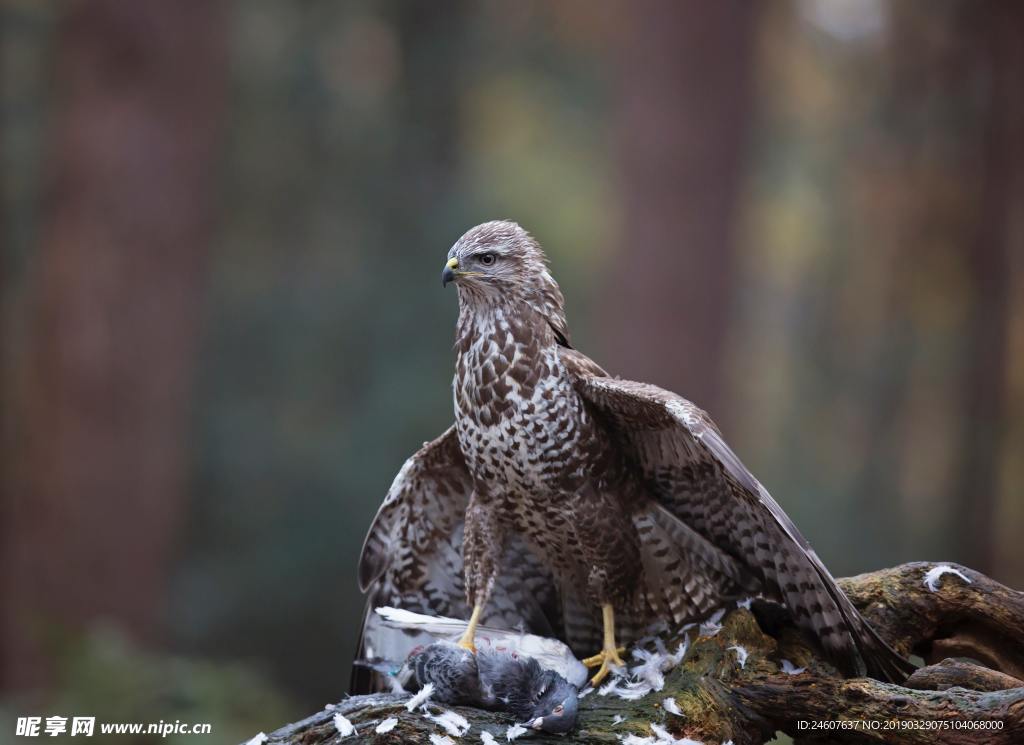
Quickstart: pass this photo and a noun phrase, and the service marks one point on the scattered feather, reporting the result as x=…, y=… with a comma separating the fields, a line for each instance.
x=515, y=731
x=386, y=726
x=662, y=734
x=258, y=739
x=459, y=720
x=420, y=698
x=671, y=707
x=745, y=603
x=666, y=737
x=790, y=669
x=713, y=624
x=649, y=668
x=632, y=739
x=585, y=692
x=932, y=576
x=741, y=654
x=710, y=629
x=653, y=665
x=680, y=654
x=441, y=740
x=630, y=690
x=344, y=727
x=487, y=738
x=453, y=723
x=618, y=719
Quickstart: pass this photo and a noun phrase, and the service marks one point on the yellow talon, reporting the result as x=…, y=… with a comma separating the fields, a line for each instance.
x=469, y=635
x=609, y=656
x=608, y=660
x=598, y=658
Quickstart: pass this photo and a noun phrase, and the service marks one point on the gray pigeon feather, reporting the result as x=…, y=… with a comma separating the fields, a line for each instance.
x=498, y=680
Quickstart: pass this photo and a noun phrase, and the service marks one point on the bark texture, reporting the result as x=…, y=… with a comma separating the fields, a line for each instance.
x=946, y=701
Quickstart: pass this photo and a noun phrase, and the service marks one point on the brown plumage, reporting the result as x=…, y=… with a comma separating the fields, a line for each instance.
x=561, y=490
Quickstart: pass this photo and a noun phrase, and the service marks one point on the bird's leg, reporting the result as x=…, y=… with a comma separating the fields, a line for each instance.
x=470, y=633
x=482, y=546
x=609, y=655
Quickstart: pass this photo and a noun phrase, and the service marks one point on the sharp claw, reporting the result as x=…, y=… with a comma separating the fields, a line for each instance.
x=468, y=645
x=610, y=653
x=606, y=668
x=599, y=658
x=607, y=660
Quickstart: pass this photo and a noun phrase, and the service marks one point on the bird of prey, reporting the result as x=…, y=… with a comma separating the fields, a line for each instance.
x=498, y=679
x=579, y=505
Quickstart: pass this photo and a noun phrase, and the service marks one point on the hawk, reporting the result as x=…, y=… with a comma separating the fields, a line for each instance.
x=579, y=505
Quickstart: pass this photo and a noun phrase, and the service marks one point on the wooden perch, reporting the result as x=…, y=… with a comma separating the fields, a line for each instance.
x=947, y=701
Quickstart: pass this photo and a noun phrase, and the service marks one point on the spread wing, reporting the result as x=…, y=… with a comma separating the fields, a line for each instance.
x=412, y=559
x=411, y=547
x=695, y=475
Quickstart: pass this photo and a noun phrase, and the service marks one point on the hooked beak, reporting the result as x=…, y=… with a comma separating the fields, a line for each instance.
x=448, y=273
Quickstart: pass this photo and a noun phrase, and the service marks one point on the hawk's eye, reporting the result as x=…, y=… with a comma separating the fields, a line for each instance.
x=487, y=259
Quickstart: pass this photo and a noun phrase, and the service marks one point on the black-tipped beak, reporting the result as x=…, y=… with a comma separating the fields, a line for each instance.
x=448, y=273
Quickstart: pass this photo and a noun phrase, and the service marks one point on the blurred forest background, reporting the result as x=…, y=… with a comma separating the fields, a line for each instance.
x=223, y=331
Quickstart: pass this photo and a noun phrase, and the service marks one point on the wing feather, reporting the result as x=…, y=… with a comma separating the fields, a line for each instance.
x=695, y=475
x=412, y=559
x=424, y=505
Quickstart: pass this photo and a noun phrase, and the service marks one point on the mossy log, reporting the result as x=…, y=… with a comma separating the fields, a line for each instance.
x=974, y=700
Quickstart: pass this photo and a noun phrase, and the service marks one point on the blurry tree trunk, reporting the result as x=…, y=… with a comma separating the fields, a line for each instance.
x=104, y=387
x=1001, y=43
x=685, y=100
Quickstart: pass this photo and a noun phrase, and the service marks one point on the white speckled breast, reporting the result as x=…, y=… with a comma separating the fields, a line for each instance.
x=514, y=427
x=526, y=435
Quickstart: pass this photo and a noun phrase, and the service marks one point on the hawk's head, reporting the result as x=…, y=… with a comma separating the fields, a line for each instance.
x=498, y=264
x=496, y=258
